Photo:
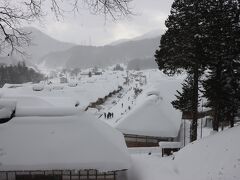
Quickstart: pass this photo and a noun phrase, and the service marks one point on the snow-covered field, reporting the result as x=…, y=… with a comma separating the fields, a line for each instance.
x=143, y=107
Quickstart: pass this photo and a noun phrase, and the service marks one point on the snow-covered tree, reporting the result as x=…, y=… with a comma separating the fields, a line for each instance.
x=184, y=99
x=223, y=49
x=182, y=46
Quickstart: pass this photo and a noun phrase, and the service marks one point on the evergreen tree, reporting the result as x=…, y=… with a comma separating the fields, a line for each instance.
x=182, y=46
x=18, y=74
x=223, y=50
x=184, y=99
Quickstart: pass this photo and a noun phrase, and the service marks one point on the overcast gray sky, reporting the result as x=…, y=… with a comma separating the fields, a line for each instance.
x=86, y=29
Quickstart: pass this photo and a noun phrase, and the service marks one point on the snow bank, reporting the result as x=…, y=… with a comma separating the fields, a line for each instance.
x=153, y=115
x=151, y=167
x=214, y=157
x=73, y=142
x=145, y=150
x=170, y=144
x=45, y=111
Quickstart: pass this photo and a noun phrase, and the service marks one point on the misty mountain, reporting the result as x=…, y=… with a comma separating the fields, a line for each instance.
x=50, y=53
x=142, y=64
x=148, y=35
x=88, y=56
x=41, y=44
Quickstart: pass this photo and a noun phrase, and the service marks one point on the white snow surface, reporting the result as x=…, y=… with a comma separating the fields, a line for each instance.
x=6, y=103
x=216, y=157
x=166, y=144
x=153, y=115
x=88, y=90
x=5, y=113
x=71, y=142
x=46, y=111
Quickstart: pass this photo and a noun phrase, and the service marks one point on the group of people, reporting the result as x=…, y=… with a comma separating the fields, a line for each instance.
x=108, y=115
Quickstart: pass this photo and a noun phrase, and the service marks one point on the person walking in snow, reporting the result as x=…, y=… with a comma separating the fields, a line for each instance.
x=105, y=115
x=122, y=105
x=108, y=115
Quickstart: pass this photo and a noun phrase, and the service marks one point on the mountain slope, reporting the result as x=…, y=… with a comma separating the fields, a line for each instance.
x=149, y=35
x=88, y=56
x=41, y=44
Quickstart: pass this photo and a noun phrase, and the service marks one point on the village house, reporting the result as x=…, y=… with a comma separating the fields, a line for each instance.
x=61, y=148
x=152, y=120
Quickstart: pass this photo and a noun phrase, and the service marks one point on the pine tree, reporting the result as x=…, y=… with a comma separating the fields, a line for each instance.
x=184, y=99
x=182, y=46
x=222, y=47
x=17, y=74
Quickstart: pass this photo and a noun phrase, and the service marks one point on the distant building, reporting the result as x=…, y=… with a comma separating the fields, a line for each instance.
x=98, y=73
x=63, y=80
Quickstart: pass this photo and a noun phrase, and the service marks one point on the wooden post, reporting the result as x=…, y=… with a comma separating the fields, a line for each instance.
x=114, y=175
x=70, y=175
x=104, y=174
x=79, y=174
x=87, y=174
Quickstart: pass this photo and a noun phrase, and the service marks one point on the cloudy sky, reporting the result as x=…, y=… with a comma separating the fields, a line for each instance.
x=87, y=29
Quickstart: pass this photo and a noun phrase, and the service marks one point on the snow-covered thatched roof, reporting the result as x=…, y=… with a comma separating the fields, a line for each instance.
x=71, y=142
x=152, y=116
x=46, y=111
x=6, y=108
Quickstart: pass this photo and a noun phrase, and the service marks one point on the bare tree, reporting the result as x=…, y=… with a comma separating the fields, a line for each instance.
x=14, y=14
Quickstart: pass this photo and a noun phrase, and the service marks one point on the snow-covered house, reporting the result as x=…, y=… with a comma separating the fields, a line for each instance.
x=152, y=120
x=7, y=110
x=69, y=147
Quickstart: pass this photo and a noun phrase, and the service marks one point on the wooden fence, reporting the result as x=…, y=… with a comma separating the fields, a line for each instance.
x=59, y=175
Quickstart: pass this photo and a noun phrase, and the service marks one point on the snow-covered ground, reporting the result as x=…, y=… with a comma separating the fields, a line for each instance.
x=213, y=157
x=150, y=82
x=88, y=90
x=216, y=157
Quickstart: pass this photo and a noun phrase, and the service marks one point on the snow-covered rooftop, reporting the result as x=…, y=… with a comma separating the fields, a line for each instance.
x=153, y=115
x=46, y=111
x=6, y=108
x=5, y=113
x=71, y=142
